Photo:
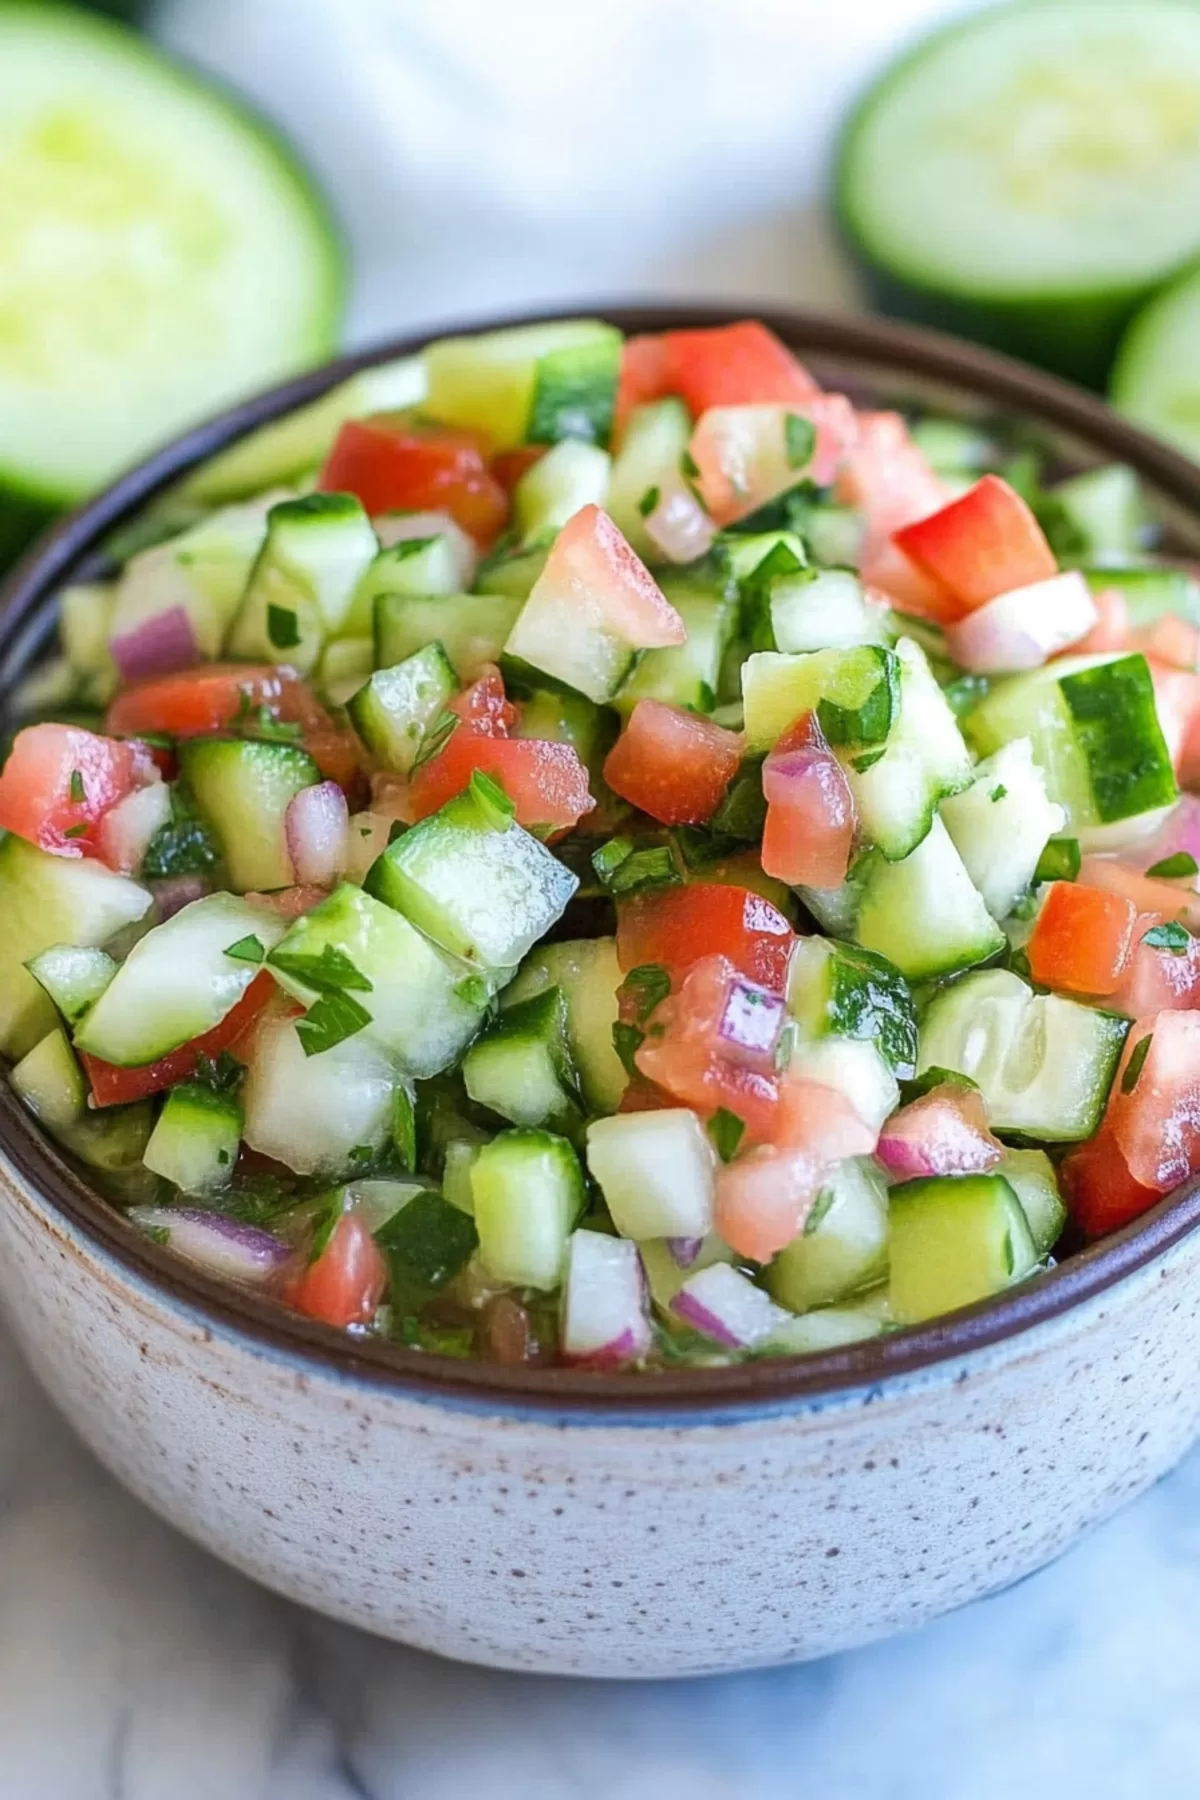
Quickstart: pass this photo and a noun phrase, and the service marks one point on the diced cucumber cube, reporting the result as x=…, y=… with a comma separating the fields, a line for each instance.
x=319, y=1115
x=843, y=1247
x=177, y=982
x=587, y=974
x=657, y=1172
x=344, y=666
x=1001, y=824
x=686, y=674
x=456, y=1175
x=1030, y=1174
x=828, y=1328
x=854, y=693
x=414, y=568
x=484, y=891
x=1097, y=514
x=512, y=573
x=842, y=990
x=204, y=571
x=84, y=612
x=647, y=470
x=953, y=1240
x=1043, y=1064
x=521, y=1068
x=561, y=717
x=47, y=900
x=529, y=1192
x=1149, y=590
x=561, y=632
x=853, y=1067
x=73, y=976
x=529, y=383
x=396, y=707
x=471, y=628
x=825, y=609
x=304, y=580
x=665, y=1274
x=195, y=1142
x=424, y=1007
x=1095, y=733
x=50, y=1082
x=924, y=914
x=242, y=788
x=924, y=759
x=571, y=475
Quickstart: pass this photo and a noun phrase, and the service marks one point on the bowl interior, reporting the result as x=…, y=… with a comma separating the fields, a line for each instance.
x=878, y=364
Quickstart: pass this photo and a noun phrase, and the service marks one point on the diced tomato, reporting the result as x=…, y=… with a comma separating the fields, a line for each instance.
x=213, y=698
x=809, y=831
x=1158, y=978
x=821, y=1120
x=510, y=465
x=59, y=781
x=483, y=707
x=1177, y=701
x=114, y=1086
x=764, y=1197
x=596, y=578
x=546, y=781
x=347, y=1281
x=1100, y=1192
x=745, y=454
x=1156, y=1125
x=1171, y=640
x=396, y=465
x=1083, y=939
x=942, y=1132
x=1111, y=631
x=983, y=544
x=643, y=378
x=890, y=480
x=1145, y=893
x=686, y=1049
x=732, y=365
x=677, y=926
x=673, y=764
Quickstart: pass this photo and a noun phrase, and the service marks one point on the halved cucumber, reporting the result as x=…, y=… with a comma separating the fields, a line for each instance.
x=528, y=384
x=47, y=900
x=243, y=788
x=177, y=982
x=202, y=264
x=1023, y=176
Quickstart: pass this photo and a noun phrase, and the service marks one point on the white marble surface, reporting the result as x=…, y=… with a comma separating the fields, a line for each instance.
x=131, y=1666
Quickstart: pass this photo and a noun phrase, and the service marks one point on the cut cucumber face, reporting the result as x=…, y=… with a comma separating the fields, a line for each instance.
x=1024, y=177
x=202, y=263
x=243, y=788
x=1156, y=377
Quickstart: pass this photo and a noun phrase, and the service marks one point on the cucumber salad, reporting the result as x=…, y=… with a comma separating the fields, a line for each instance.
x=587, y=851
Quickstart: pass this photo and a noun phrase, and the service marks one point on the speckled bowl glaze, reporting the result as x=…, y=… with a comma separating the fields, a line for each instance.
x=660, y=1525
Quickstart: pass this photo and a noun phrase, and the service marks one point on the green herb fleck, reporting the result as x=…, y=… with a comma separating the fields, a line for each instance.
x=689, y=466
x=1172, y=937
x=247, y=949
x=332, y=972
x=1136, y=1063
x=647, y=986
x=648, y=502
x=497, y=809
x=1059, y=861
x=623, y=870
x=437, y=737
x=799, y=437
x=427, y=1242
x=820, y=1208
x=998, y=793
x=74, y=831
x=222, y=1075
x=1171, y=867
x=223, y=1157
x=183, y=846
x=283, y=628
x=472, y=990
x=860, y=764
x=330, y=1020
x=78, y=791
x=627, y=1041
x=404, y=1130
x=725, y=1130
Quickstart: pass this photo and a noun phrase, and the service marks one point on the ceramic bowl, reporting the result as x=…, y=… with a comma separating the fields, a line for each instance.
x=608, y=1525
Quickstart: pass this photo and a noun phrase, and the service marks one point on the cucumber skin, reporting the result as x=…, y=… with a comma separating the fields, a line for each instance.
x=1072, y=334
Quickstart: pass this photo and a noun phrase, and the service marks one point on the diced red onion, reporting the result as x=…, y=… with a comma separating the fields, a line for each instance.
x=605, y=1319
x=750, y=1024
x=943, y=1133
x=725, y=1305
x=177, y=891
x=158, y=646
x=216, y=1242
x=1025, y=627
x=680, y=527
x=400, y=528
x=316, y=822
x=684, y=1250
x=127, y=828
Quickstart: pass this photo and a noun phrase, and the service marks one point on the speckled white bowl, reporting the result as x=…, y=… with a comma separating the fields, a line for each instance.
x=609, y=1525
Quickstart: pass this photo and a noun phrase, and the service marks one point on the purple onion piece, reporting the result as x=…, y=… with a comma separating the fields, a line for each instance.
x=216, y=1242
x=316, y=822
x=751, y=1021
x=693, y=1311
x=158, y=646
x=684, y=1250
x=175, y=892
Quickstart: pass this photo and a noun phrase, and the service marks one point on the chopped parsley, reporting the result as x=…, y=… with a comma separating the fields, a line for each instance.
x=647, y=986
x=77, y=789
x=725, y=1130
x=1136, y=1063
x=648, y=501
x=332, y=972
x=1172, y=867
x=247, y=949
x=998, y=793
x=283, y=627
x=1172, y=937
x=330, y=1020
x=799, y=438
x=497, y=809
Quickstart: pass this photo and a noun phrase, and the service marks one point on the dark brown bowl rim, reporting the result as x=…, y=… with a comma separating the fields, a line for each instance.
x=687, y=1395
